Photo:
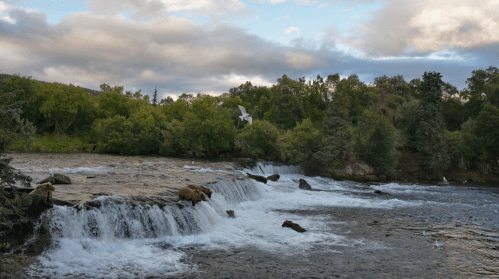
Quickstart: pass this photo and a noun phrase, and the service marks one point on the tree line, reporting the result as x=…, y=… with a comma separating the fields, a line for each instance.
x=325, y=122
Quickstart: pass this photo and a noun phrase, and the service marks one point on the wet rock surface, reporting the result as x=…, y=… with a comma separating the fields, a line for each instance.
x=137, y=177
x=258, y=178
x=57, y=179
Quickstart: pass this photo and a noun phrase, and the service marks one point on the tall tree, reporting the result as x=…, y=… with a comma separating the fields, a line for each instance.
x=483, y=85
x=430, y=144
x=287, y=101
x=155, y=97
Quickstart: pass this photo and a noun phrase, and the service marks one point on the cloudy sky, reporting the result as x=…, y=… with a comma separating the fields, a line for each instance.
x=209, y=46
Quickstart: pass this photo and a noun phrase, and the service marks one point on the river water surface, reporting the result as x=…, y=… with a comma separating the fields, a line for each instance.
x=418, y=231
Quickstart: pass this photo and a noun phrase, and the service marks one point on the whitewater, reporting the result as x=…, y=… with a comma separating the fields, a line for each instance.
x=416, y=231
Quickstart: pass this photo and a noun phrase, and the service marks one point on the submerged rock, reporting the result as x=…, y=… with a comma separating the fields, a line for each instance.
x=57, y=179
x=274, y=177
x=304, y=185
x=294, y=226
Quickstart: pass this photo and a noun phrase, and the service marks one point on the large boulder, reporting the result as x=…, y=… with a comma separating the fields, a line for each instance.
x=57, y=179
x=46, y=190
x=294, y=226
x=258, y=178
x=304, y=185
x=274, y=177
x=189, y=194
x=207, y=191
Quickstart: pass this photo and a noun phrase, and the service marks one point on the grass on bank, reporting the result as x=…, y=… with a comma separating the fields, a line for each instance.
x=53, y=143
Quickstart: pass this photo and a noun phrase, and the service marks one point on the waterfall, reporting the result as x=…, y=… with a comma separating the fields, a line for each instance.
x=120, y=220
x=120, y=240
x=269, y=168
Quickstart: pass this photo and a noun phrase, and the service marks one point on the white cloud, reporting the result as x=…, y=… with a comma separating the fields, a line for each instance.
x=234, y=80
x=283, y=18
x=292, y=29
x=300, y=2
x=323, y=5
x=204, y=6
x=347, y=10
x=147, y=9
x=4, y=7
x=429, y=25
x=450, y=24
x=305, y=2
x=8, y=19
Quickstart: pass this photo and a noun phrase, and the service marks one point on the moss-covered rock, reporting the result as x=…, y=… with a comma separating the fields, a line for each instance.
x=258, y=178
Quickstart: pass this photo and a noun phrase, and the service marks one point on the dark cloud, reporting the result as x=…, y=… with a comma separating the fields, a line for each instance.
x=170, y=53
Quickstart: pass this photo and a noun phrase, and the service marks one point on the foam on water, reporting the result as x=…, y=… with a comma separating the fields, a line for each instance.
x=266, y=169
x=98, y=169
x=122, y=240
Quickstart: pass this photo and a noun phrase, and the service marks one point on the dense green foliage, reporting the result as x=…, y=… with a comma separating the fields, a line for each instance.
x=376, y=142
x=302, y=143
x=430, y=132
x=322, y=123
x=11, y=127
x=336, y=149
x=259, y=140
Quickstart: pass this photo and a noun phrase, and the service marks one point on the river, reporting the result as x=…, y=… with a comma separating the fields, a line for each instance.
x=418, y=231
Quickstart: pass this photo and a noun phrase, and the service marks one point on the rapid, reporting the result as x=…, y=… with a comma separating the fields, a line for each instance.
x=418, y=231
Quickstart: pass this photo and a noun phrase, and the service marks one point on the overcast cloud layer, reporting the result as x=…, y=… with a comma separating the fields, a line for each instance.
x=204, y=45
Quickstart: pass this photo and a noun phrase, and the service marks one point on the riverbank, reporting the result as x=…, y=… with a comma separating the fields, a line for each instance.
x=410, y=171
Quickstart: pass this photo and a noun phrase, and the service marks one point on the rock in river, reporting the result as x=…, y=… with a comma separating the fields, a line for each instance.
x=57, y=179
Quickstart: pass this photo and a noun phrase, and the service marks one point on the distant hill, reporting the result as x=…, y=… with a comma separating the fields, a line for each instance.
x=93, y=93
